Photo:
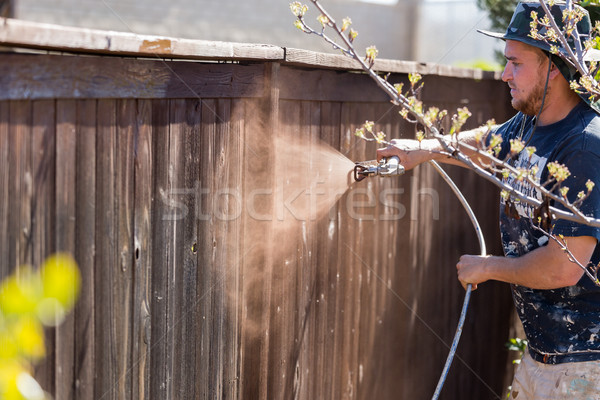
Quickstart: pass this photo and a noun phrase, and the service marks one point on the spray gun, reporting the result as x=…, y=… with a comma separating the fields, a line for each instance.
x=386, y=167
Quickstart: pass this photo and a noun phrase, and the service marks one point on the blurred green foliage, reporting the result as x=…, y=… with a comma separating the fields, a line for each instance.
x=483, y=65
x=30, y=300
x=500, y=13
x=519, y=345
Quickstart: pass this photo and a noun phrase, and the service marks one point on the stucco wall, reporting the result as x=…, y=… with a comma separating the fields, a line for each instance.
x=431, y=31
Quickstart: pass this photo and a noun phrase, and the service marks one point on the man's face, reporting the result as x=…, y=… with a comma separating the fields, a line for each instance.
x=525, y=73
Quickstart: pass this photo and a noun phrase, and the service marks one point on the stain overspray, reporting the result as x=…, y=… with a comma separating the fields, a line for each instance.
x=291, y=182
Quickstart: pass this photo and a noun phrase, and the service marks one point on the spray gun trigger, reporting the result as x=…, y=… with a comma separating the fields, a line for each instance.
x=387, y=167
x=390, y=167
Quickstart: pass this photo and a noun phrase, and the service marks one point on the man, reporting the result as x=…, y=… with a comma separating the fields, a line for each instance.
x=558, y=305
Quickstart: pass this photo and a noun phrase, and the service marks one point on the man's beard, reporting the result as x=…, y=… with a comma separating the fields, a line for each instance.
x=531, y=105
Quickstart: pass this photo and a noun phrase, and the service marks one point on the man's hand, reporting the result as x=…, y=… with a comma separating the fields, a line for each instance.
x=410, y=152
x=471, y=269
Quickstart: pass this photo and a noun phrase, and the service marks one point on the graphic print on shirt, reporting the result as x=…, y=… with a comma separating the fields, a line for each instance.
x=521, y=240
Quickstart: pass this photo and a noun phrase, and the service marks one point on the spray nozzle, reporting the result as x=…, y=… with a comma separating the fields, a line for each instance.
x=386, y=167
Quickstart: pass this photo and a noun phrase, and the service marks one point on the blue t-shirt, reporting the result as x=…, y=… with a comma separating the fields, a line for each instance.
x=562, y=325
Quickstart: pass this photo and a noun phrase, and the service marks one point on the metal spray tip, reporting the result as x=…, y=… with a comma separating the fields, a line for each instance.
x=386, y=167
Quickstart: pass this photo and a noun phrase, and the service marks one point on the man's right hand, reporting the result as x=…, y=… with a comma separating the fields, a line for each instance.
x=410, y=152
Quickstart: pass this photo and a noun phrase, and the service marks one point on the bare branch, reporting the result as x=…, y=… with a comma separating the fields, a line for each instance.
x=562, y=242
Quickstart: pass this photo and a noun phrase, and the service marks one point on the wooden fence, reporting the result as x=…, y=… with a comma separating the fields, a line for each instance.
x=144, y=169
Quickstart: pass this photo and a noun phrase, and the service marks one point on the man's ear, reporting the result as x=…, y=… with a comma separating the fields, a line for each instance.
x=554, y=71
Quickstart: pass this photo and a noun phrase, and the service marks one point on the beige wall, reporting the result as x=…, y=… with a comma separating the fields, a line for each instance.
x=393, y=29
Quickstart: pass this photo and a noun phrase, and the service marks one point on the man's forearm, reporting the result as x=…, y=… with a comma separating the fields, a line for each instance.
x=412, y=153
x=546, y=267
x=468, y=138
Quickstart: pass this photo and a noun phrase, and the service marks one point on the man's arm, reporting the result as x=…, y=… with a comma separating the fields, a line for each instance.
x=413, y=153
x=546, y=267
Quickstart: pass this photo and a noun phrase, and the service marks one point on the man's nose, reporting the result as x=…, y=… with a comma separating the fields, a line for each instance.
x=507, y=73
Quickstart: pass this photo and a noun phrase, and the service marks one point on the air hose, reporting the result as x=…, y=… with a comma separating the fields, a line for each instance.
x=463, y=313
x=391, y=166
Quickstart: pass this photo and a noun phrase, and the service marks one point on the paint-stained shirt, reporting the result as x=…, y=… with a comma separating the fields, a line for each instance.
x=561, y=325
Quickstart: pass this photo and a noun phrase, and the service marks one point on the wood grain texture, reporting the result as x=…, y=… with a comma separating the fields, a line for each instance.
x=122, y=290
x=232, y=209
x=20, y=184
x=85, y=240
x=257, y=262
x=142, y=251
x=43, y=145
x=161, y=341
x=44, y=212
x=185, y=137
x=106, y=262
x=5, y=267
x=47, y=76
x=66, y=191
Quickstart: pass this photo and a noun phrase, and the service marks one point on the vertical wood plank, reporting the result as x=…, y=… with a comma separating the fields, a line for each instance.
x=43, y=145
x=44, y=213
x=26, y=238
x=185, y=118
x=106, y=264
x=283, y=300
x=143, y=178
x=269, y=122
x=123, y=284
x=353, y=229
x=316, y=235
x=396, y=301
x=368, y=263
x=340, y=276
x=204, y=241
x=218, y=229
x=214, y=244
x=261, y=117
x=4, y=186
x=85, y=238
x=176, y=194
x=232, y=211
x=161, y=337
x=114, y=259
x=303, y=376
x=20, y=185
x=326, y=288
x=66, y=148
x=223, y=246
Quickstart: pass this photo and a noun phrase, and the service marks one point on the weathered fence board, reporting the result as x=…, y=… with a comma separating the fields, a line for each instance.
x=66, y=190
x=105, y=263
x=43, y=204
x=160, y=329
x=19, y=217
x=5, y=239
x=85, y=240
x=191, y=287
x=95, y=78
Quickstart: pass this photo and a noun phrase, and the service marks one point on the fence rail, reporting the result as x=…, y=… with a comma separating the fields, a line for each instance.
x=156, y=175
